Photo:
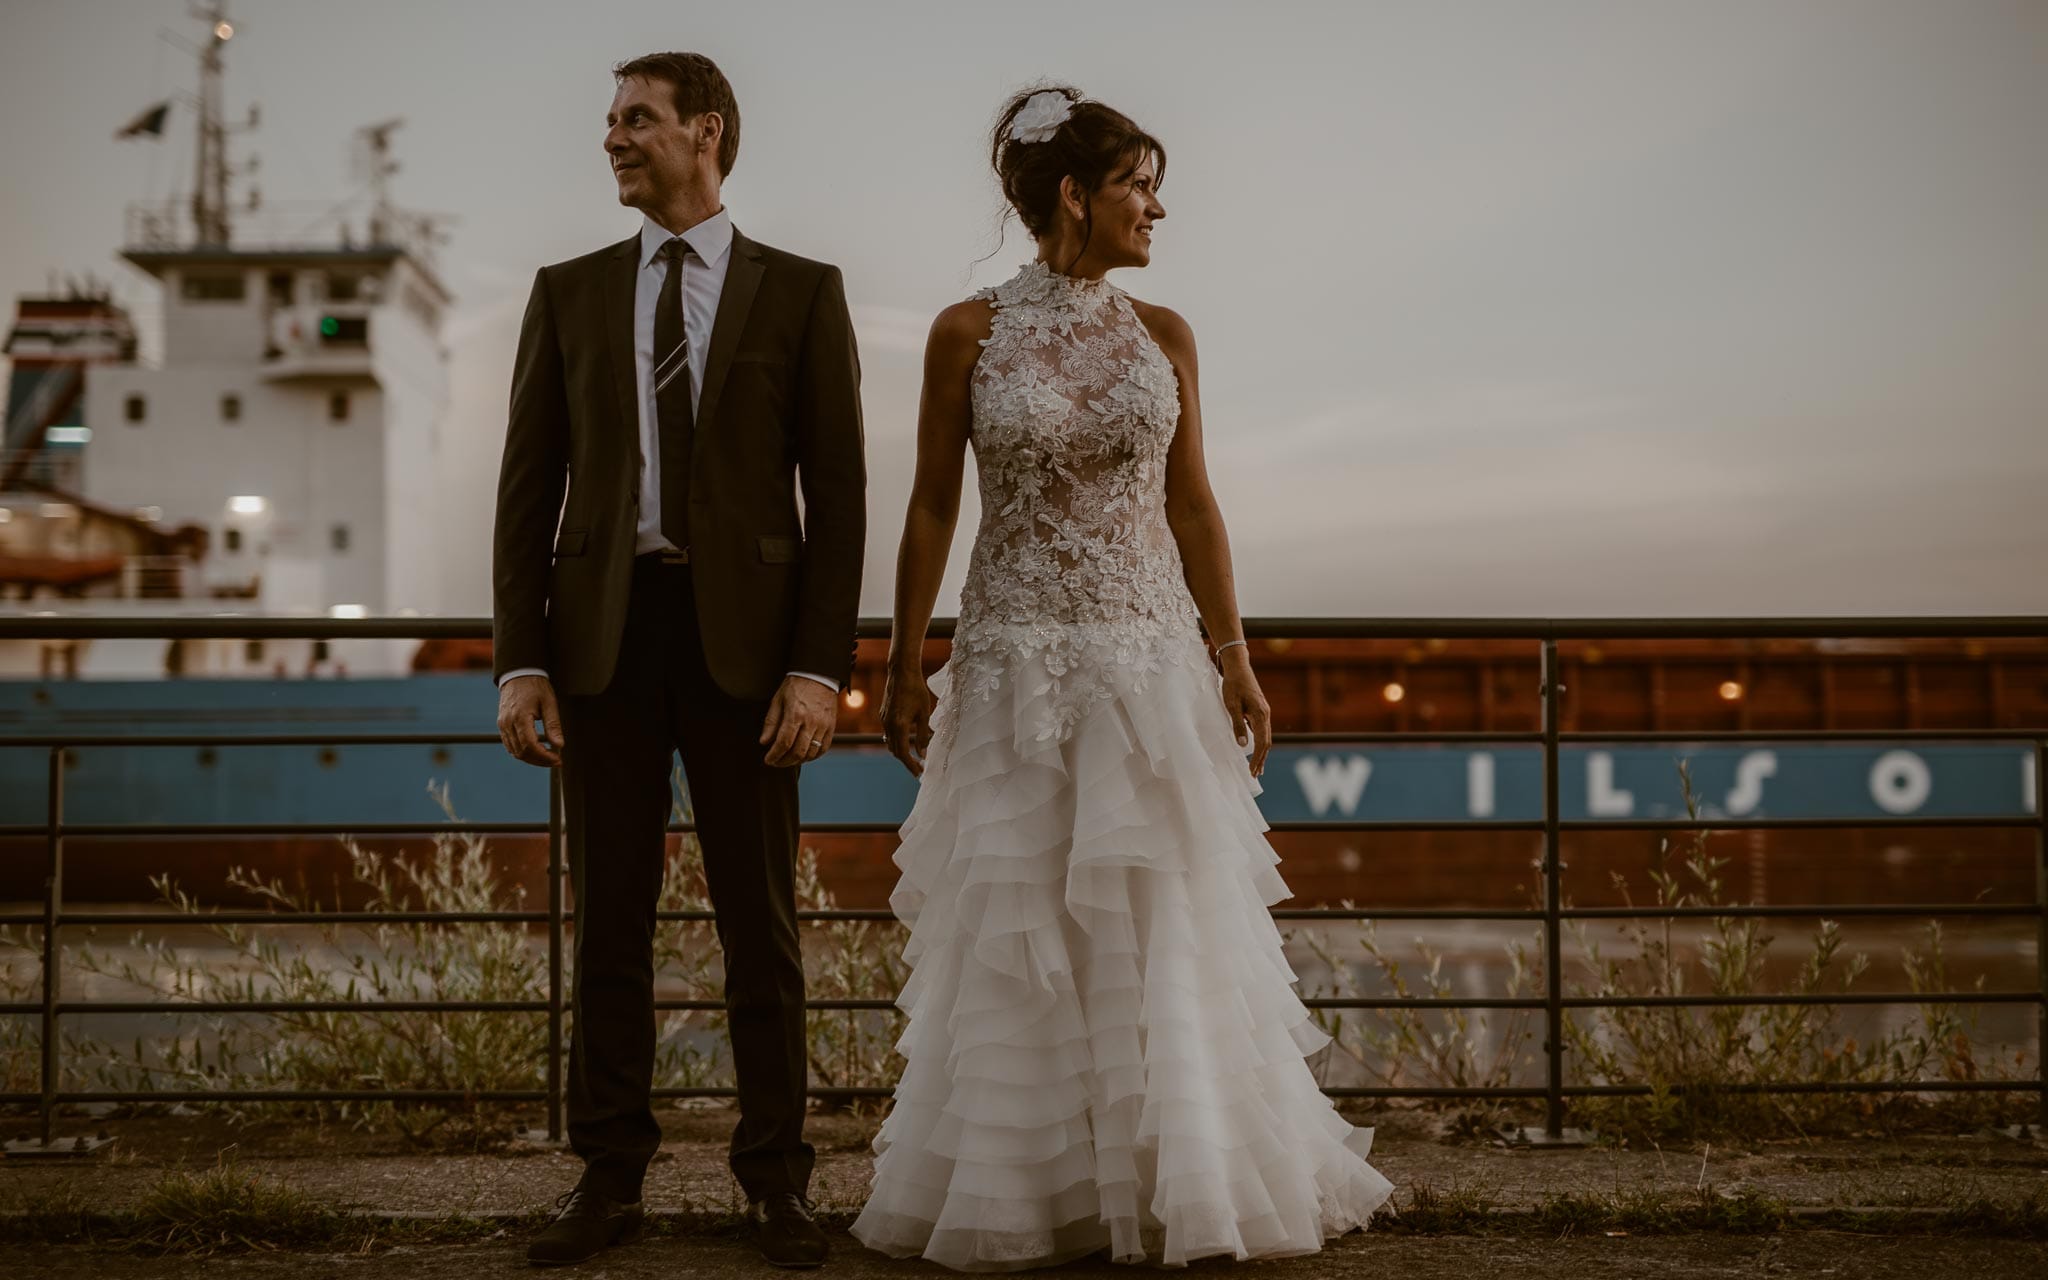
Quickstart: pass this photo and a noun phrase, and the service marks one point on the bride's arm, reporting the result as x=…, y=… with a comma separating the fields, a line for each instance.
x=943, y=415
x=1197, y=524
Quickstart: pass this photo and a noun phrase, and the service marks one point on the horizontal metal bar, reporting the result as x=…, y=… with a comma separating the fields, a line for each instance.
x=1872, y=628
x=97, y=918
x=882, y=915
x=95, y=741
x=1838, y=997
x=1433, y=1091
x=882, y=1005
x=1418, y=738
x=75, y=1007
x=1785, y=824
x=1408, y=824
x=884, y=1091
x=164, y=830
x=1297, y=738
x=138, y=831
x=301, y=1095
x=1406, y=913
x=1424, y=1002
x=818, y=1091
x=830, y=1004
x=51, y=626
x=1801, y=735
x=834, y=915
x=1810, y=1086
x=1880, y=909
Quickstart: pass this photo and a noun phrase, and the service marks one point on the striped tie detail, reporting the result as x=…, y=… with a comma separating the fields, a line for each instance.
x=674, y=413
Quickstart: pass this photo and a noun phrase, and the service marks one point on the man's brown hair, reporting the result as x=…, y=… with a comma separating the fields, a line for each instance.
x=699, y=87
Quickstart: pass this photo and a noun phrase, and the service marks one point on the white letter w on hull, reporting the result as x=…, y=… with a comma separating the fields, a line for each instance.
x=1333, y=780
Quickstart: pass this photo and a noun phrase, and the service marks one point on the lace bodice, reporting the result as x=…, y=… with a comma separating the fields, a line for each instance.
x=1074, y=566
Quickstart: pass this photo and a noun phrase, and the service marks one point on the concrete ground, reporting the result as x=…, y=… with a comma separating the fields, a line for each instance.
x=692, y=1195
x=1374, y=1256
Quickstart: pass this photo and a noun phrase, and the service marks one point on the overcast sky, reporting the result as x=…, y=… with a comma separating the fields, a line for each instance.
x=1564, y=308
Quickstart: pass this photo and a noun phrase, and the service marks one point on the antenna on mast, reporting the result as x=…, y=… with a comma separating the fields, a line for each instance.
x=374, y=163
x=210, y=192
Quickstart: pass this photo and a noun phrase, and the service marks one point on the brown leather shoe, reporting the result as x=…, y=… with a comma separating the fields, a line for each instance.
x=588, y=1223
x=785, y=1231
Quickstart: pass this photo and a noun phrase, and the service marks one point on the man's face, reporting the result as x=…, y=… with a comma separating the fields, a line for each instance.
x=653, y=153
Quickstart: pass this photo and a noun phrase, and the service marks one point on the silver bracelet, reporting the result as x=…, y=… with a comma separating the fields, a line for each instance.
x=1227, y=643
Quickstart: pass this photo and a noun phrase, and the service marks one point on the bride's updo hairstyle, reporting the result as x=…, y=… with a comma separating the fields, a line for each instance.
x=1098, y=146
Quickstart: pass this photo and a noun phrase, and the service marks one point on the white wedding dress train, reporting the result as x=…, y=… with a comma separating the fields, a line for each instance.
x=1104, y=1049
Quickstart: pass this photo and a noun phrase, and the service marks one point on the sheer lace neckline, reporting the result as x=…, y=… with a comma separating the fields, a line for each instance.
x=1036, y=284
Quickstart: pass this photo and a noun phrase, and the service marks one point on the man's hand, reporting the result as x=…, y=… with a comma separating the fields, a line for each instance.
x=800, y=722
x=521, y=701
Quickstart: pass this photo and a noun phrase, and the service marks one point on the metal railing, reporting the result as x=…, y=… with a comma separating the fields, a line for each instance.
x=1545, y=633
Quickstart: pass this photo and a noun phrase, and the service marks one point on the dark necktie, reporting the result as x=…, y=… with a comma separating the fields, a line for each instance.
x=673, y=414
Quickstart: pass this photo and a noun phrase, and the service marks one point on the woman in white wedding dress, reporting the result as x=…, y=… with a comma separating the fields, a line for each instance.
x=1104, y=1050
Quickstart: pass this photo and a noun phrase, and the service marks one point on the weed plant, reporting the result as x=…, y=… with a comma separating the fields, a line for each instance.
x=1696, y=1062
x=463, y=1053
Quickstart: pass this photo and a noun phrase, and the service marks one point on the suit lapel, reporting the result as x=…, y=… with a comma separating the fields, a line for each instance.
x=742, y=281
x=620, y=272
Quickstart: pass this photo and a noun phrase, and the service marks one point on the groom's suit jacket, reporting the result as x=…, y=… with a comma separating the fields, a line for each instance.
x=779, y=407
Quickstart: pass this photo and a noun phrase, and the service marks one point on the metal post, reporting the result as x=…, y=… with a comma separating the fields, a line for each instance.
x=1553, y=941
x=1553, y=1133
x=53, y=897
x=2041, y=936
x=555, y=873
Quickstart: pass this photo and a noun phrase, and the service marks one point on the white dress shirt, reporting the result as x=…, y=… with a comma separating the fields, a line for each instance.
x=710, y=244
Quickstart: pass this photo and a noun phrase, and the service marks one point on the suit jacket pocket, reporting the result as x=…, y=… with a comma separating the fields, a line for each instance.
x=569, y=542
x=780, y=550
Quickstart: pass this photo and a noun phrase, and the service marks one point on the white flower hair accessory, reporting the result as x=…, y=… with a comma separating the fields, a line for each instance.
x=1041, y=116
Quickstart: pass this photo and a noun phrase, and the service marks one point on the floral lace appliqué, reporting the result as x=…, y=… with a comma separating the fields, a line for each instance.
x=1074, y=585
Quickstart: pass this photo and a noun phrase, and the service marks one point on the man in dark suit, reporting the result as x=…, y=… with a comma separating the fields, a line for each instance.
x=656, y=590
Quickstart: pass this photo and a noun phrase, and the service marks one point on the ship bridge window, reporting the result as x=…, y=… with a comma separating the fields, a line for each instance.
x=344, y=331
x=232, y=539
x=231, y=408
x=213, y=286
x=337, y=407
x=135, y=409
x=337, y=537
x=343, y=287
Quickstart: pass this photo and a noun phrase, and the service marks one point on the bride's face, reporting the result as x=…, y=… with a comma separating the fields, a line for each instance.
x=1124, y=209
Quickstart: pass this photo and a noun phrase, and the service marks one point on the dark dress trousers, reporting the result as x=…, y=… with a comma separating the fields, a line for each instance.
x=652, y=658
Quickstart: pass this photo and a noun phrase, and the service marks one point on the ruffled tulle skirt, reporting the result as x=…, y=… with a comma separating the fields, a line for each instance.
x=1104, y=1049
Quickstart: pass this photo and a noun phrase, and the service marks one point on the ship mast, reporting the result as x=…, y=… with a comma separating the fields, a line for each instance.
x=210, y=191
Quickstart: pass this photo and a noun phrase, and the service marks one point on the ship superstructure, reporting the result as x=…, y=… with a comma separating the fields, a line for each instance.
x=286, y=441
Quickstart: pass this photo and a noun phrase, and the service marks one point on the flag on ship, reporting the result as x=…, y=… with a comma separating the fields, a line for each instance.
x=150, y=122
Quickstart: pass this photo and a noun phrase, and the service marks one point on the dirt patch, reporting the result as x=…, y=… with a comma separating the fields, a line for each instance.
x=1373, y=1256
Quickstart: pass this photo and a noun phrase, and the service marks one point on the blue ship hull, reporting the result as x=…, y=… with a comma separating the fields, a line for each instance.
x=1876, y=781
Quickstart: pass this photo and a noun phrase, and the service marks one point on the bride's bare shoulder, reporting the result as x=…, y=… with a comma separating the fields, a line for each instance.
x=960, y=330
x=1167, y=327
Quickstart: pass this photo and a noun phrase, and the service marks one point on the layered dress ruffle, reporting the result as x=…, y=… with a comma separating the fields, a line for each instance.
x=1104, y=1047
